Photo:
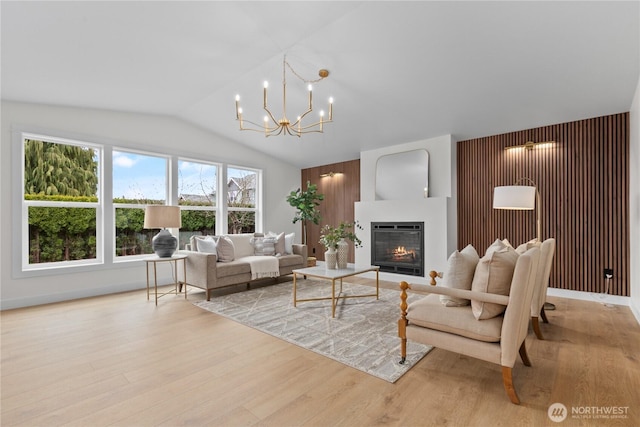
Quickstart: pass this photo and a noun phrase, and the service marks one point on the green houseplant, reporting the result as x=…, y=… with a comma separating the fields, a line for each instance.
x=330, y=236
x=306, y=202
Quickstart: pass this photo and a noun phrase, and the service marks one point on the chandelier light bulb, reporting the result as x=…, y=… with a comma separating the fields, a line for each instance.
x=331, y=100
x=240, y=110
x=237, y=97
x=321, y=113
x=266, y=84
x=266, y=119
x=310, y=87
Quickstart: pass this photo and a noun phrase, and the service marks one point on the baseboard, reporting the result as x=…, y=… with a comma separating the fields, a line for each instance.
x=71, y=295
x=589, y=296
x=635, y=309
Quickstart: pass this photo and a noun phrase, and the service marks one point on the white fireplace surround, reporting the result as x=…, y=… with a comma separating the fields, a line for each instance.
x=438, y=211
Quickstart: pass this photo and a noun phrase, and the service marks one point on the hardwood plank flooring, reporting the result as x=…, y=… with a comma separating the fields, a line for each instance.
x=119, y=360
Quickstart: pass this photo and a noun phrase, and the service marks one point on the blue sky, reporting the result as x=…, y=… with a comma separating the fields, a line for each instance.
x=138, y=176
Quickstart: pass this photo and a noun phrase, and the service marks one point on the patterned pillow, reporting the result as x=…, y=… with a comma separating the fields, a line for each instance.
x=269, y=245
x=225, y=249
x=258, y=243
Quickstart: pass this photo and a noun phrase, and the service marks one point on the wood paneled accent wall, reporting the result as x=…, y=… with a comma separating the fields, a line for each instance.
x=340, y=191
x=583, y=180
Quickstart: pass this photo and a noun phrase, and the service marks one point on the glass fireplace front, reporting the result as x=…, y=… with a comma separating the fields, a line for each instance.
x=398, y=247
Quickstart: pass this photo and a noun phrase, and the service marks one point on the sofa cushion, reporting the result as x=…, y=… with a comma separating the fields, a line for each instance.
x=207, y=245
x=459, y=274
x=290, y=260
x=269, y=245
x=257, y=241
x=242, y=244
x=225, y=249
x=233, y=268
x=428, y=312
x=288, y=242
x=280, y=244
x=493, y=274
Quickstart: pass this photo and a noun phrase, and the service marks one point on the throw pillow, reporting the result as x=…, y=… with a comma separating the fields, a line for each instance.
x=193, y=241
x=526, y=246
x=288, y=242
x=493, y=274
x=225, y=249
x=207, y=245
x=269, y=245
x=459, y=274
x=258, y=243
x=496, y=246
x=280, y=245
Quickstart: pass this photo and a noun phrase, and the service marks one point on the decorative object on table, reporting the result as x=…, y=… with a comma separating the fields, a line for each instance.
x=164, y=244
x=335, y=237
x=363, y=334
x=272, y=126
x=331, y=258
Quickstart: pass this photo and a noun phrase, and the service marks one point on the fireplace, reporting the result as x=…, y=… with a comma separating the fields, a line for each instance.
x=398, y=247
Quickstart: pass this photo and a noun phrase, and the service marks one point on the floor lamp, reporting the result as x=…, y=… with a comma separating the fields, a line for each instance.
x=521, y=197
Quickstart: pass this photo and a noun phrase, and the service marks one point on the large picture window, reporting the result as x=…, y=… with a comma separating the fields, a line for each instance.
x=80, y=209
x=60, y=202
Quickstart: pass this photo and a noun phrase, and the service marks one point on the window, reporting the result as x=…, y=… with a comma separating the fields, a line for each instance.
x=242, y=194
x=197, y=197
x=138, y=180
x=82, y=203
x=60, y=202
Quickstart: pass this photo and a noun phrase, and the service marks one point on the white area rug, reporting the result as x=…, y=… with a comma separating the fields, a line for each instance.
x=363, y=335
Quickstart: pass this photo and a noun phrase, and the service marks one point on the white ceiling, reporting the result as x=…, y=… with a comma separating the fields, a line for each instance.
x=400, y=71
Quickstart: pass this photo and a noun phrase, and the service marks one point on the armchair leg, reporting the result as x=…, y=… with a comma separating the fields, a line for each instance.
x=523, y=355
x=543, y=314
x=507, y=380
x=536, y=328
x=402, y=322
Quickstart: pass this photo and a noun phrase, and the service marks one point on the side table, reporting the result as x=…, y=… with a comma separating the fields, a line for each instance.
x=153, y=261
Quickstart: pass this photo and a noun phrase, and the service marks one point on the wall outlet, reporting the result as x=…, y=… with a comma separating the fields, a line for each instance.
x=608, y=273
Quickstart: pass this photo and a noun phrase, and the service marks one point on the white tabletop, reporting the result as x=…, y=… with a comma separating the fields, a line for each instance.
x=322, y=272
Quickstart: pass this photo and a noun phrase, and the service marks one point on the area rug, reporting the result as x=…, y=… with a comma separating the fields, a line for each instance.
x=363, y=335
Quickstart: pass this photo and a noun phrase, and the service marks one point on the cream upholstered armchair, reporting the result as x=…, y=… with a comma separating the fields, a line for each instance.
x=547, y=249
x=497, y=339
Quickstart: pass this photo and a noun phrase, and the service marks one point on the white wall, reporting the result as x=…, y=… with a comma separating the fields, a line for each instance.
x=129, y=130
x=634, y=202
x=438, y=211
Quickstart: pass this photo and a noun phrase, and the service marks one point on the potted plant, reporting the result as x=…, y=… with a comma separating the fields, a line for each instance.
x=306, y=203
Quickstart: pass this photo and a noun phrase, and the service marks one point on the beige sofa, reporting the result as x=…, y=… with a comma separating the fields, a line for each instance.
x=205, y=271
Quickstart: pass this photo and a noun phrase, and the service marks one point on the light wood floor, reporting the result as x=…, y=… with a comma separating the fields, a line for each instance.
x=120, y=360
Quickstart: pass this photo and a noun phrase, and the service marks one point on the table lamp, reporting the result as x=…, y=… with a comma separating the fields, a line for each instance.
x=164, y=244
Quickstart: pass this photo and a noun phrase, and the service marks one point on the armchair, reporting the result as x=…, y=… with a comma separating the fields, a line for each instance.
x=496, y=340
x=547, y=249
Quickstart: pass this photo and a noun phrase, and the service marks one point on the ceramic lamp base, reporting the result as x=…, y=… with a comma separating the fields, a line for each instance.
x=164, y=244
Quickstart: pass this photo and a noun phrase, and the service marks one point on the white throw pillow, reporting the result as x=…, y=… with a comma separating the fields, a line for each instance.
x=279, y=248
x=459, y=274
x=207, y=245
x=493, y=274
x=288, y=242
x=225, y=249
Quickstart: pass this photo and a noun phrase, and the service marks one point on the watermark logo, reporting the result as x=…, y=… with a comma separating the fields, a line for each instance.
x=557, y=412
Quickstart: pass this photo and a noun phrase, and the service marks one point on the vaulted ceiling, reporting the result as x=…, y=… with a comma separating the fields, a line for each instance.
x=399, y=71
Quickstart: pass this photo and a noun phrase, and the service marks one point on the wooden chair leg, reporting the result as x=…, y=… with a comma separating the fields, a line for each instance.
x=536, y=328
x=507, y=380
x=523, y=355
x=543, y=314
x=402, y=322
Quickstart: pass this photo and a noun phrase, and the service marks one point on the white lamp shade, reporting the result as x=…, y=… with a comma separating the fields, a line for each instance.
x=162, y=216
x=518, y=197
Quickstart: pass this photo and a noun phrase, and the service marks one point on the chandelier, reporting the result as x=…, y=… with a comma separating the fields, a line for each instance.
x=283, y=126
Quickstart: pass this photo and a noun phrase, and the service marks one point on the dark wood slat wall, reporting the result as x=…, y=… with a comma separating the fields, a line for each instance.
x=341, y=192
x=584, y=187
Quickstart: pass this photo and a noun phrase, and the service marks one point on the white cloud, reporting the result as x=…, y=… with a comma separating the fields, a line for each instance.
x=123, y=161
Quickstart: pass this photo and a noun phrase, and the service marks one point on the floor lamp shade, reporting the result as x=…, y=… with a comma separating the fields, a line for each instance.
x=518, y=197
x=164, y=244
